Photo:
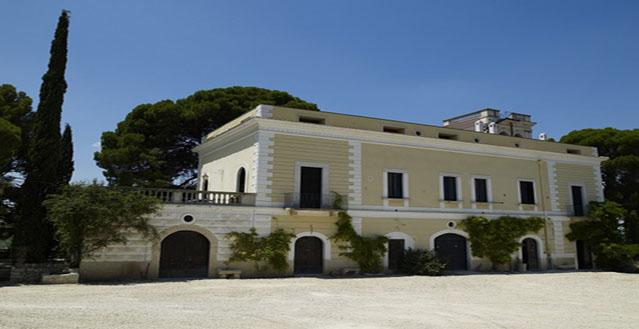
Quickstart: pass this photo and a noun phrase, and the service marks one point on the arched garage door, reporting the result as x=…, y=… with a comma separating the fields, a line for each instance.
x=529, y=253
x=452, y=248
x=309, y=255
x=184, y=254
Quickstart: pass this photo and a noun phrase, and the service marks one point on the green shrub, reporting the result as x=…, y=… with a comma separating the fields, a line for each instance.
x=620, y=257
x=421, y=262
x=271, y=249
x=367, y=252
x=496, y=239
x=605, y=233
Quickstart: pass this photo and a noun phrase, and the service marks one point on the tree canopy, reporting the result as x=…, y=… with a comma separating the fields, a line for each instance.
x=65, y=166
x=33, y=237
x=153, y=145
x=606, y=237
x=497, y=239
x=621, y=172
x=10, y=137
x=88, y=217
x=15, y=120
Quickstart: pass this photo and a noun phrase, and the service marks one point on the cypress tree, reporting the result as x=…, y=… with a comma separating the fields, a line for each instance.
x=65, y=167
x=33, y=239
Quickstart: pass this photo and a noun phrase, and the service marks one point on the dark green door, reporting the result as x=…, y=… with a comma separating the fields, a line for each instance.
x=451, y=248
x=184, y=254
x=309, y=255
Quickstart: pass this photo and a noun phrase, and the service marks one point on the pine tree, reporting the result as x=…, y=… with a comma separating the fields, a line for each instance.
x=33, y=239
x=65, y=167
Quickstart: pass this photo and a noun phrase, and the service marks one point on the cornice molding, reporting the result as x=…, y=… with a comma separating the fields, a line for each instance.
x=369, y=136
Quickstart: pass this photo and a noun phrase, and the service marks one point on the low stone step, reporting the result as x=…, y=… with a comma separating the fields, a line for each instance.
x=61, y=278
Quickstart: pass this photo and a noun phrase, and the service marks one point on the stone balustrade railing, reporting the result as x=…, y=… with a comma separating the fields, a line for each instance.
x=203, y=197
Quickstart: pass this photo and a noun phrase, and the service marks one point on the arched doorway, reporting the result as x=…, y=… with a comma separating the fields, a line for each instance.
x=309, y=255
x=452, y=248
x=584, y=256
x=530, y=253
x=184, y=254
x=241, y=181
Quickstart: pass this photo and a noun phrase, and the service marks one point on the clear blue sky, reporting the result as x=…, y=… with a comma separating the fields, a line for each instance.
x=570, y=64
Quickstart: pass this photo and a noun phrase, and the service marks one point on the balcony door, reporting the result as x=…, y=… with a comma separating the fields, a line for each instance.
x=577, y=200
x=311, y=187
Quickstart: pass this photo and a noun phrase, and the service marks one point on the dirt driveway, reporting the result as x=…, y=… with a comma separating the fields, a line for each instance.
x=551, y=300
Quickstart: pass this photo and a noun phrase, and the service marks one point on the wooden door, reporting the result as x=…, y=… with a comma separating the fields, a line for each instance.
x=530, y=254
x=309, y=255
x=395, y=253
x=584, y=256
x=452, y=249
x=311, y=187
x=184, y=254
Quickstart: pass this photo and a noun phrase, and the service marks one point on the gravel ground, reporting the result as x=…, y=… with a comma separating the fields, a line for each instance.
x=542, y=300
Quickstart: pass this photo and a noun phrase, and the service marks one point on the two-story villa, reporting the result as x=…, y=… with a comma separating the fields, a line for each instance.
x=286, y=168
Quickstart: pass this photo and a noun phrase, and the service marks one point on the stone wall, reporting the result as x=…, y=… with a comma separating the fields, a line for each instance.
x=32, y=273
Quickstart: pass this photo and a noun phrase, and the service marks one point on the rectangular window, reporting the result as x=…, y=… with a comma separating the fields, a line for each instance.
x=395, y=130
x=447, y=136
x=481, y=190
x=527, y=192
x=310, y=187
x=314, y=120
x=450, y=188
x=577, y=200
x=395, y=185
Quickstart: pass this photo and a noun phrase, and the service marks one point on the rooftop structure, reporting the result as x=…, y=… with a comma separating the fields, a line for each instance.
x=491, y=121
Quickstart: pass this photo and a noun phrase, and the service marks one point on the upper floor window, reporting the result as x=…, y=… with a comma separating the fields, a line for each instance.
x=205, y=183
x=527, y=191
x=391, y=129
x=450, y=188
x=241, y=181
x=447, y=136
x=315, y=120
x=395, y=185
x=577, y=194
x=481, y=189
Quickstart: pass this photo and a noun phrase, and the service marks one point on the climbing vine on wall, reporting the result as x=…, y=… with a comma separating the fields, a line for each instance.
x=270, y=250
x=367, y=252
x=496, y=239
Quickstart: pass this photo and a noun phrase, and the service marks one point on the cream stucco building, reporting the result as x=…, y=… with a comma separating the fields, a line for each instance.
x=277, y=167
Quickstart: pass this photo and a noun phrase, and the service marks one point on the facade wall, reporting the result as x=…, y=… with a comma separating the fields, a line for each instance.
x=426, y=131
x=423, y=231
x=139, y=258
x=355, y=163
x=573, y=174
x=289, y=151
x=424, y=168
x=321, y=225
x=222, y=165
